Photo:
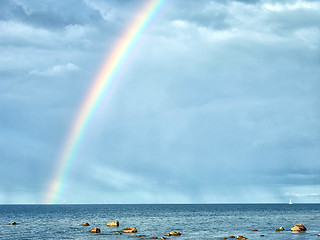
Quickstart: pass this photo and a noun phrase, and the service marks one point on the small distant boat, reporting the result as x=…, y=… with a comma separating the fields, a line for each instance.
x=290, y=202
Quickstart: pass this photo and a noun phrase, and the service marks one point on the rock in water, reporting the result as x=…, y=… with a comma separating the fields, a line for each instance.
x=85, y=224
x=280, y=229
x=298, y=228
x=95, y=230
x=241, y=238
x=118, y=233
x=173, y=233
x=130, y=230
x=113, y=224
x=13, y=223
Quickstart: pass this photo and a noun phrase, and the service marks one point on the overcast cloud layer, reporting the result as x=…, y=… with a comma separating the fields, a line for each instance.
x=220, y=103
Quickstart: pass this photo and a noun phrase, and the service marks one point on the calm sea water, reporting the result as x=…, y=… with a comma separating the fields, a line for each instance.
x=208, y=221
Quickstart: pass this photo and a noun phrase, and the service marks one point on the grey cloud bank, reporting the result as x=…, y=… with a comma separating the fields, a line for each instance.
x=218, y=105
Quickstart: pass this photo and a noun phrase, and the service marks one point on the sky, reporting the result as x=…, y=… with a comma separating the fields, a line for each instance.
x=218, y=104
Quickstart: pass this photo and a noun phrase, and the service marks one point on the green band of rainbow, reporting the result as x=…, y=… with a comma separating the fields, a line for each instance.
x=101, y=84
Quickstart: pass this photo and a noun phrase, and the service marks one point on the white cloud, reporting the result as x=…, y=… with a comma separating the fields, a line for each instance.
x=56, y=70
x=280, y=7
x=19, y=33
x=76, y=31
x=303, y=194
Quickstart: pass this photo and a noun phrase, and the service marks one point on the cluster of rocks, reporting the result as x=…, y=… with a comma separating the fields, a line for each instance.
x=128, y=230
x=295, y=228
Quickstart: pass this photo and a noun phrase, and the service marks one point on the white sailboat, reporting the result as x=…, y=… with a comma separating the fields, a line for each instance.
x=290, y=202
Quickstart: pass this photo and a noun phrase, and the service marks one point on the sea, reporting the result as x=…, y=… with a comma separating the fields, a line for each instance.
x=193, y=221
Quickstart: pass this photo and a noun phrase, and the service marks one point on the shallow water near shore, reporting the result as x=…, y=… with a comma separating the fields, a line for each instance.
x=194, y=221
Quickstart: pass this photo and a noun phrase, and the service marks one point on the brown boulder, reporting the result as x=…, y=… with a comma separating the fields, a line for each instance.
x=85, y=224
x=241, y=237
x=95, y=230
x=298, y=228
x=130, y=230
x=113, y=224
x=279, y=229
x=154, y=237
x=13, y=223
x=173, y=233
x=118, y=233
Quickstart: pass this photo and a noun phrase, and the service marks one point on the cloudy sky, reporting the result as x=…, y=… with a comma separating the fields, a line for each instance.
x=219, y=103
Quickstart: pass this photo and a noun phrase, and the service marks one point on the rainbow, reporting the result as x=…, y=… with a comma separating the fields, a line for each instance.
x=101, y=86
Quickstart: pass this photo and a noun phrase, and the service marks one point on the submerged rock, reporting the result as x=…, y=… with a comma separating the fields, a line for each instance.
x=154, y=237
x=232, y=237
x=130, y=230
x=298, y=228
x=95, y=230
x=118, y=233
x=113, y=224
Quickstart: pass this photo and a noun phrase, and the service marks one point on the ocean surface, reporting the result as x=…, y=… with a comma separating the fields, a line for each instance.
x=196, y=221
